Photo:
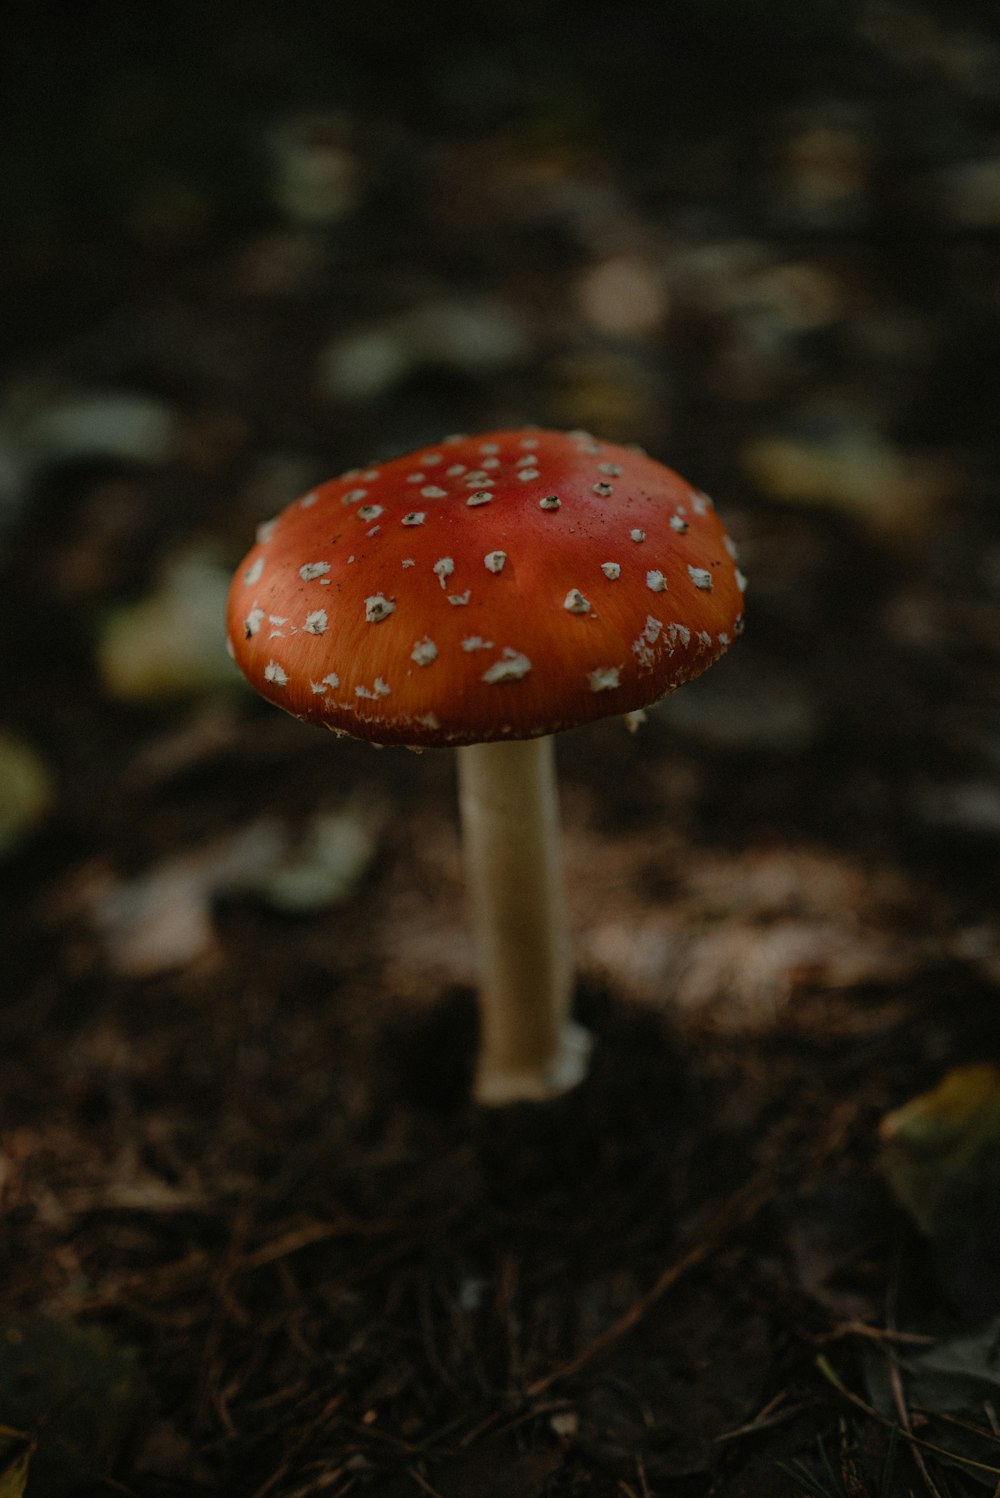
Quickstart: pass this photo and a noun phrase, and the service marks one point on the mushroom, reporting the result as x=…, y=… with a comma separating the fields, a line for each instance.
x=512, y=585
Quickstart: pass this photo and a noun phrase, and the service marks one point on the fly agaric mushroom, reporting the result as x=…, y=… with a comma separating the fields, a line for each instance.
x=484, y=595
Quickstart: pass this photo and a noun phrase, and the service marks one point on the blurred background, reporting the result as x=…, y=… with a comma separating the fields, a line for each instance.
x=245, y=247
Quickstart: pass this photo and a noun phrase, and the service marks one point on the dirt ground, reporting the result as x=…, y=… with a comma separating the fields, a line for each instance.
x=257, y=1242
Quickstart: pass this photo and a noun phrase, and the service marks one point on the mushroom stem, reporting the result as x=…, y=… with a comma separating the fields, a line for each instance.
x=529, y=1048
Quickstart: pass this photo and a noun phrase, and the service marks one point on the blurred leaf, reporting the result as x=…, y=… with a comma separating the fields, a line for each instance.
x=16, y=1451
x=322, y=869
x=25, y=790
x=941, y=1157
x=161, y=919
x=78, y=1388
x=952, y=1387
x=171, y=643
x=942, y=1139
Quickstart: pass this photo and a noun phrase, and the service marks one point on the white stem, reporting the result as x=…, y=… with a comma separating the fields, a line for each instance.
x=529, y=1049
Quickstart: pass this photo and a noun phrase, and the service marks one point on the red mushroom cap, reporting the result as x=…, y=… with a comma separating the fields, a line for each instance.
x=503, y=586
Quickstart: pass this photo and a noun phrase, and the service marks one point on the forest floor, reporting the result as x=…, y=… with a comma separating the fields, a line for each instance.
x=257, y=1241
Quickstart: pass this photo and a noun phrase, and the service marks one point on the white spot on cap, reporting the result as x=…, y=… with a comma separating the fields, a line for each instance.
x=643, y=654
x=276, y=674
x=550, y=502
x=656, y=582
x=679, y=632
x=612, y=470
x=316, y=622
x=637, y=535
x=429, y=459
x=310, y=571
x=455, y=471
x=491, y=463
x=528, y=461
x=307, y=502
x=378, y=607
x=678, y=524
x=431, y=491
x=416, y=478
x=489, y=447
x=575, y=603
x=494, y=561
x=328, y=682
x=460, y=599
x=266, y=530
x=603, y=491
x=415, y=517
x=528, y=442
x=332, y=680
x=253, y=574
x=511, y=666
x=476, y=642
x=371, y=474
x=424, y=651
x=604, y=678
x=741, y=581
x=651, y=633
x=730, y=546
x=701, y=578
x=527, y=474
x=253, y=622
x=701, y=504
x=612, y=570
x=443, y=569
x=481, y=497
x=477, y=477
x=407, y=562
x=352, y=496
x=369, y=512
x=379, y=688
x=704, y=639
x=724, y=639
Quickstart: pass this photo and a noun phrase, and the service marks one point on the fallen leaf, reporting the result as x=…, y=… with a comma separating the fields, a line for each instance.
x=162, y=919
x=78, y=1388
x=941, y=1157
x=172, y=642
x=16, y=1451
x=26, y=791
x=953, y=1387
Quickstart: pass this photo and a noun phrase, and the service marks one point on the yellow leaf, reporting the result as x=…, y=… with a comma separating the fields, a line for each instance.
x=944, y=1145
x=16, y=1451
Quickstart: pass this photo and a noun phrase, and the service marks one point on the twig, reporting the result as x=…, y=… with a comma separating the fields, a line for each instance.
x=876, y=1334
x=899, y=1400
x=768, y=1417
x=422, y=1483
x=737, y=1212
x=873, y=1414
